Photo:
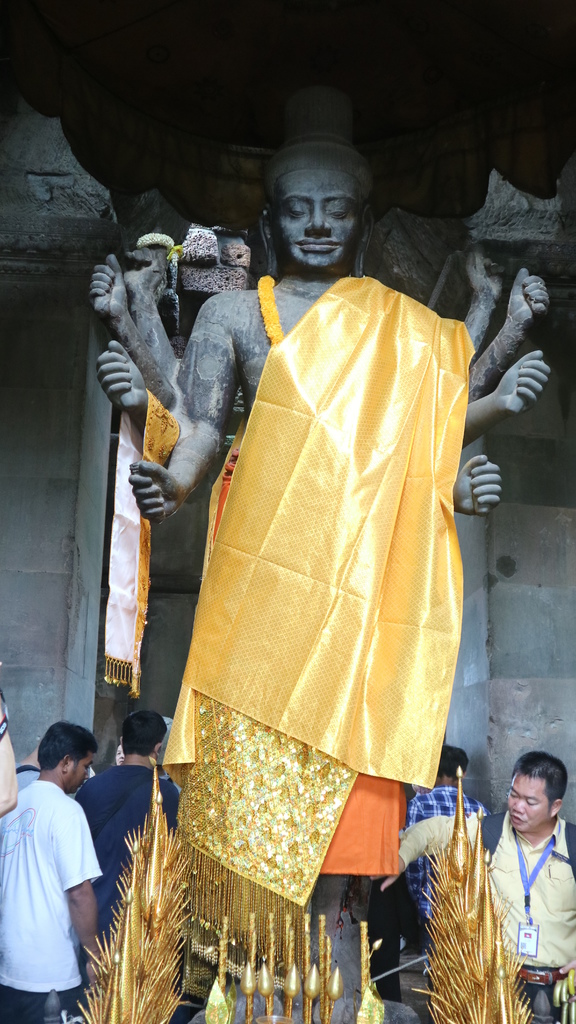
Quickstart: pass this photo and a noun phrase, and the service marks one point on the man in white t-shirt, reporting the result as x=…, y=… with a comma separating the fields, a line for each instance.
x=47, y=863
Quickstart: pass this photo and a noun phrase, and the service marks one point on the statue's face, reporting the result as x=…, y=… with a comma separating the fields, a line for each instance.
x=316, y=223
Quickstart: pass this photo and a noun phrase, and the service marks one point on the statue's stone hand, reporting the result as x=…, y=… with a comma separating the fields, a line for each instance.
x=478, y=487
x=122, y=382
x=145, y=276
x=108, y=291
x=484, y=276
x=522, y=385
x=156, y=491
x=529, y=299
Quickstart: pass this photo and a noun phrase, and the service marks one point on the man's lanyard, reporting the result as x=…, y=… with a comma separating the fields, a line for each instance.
x=528, y=882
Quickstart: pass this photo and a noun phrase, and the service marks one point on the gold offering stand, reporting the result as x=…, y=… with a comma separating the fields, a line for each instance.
x=320, y=981
x=474, y=973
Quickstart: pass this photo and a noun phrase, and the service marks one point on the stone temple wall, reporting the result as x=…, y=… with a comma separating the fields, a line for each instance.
x=516, y=677
x=55, y=424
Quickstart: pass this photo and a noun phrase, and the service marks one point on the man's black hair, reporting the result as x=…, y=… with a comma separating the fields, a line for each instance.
x=65, y=738
x=141, y=731
x=537, y=764
x=451, y=759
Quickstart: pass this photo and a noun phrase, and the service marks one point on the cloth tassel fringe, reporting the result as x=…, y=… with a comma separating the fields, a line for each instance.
x=216, y=893
x=120, y=673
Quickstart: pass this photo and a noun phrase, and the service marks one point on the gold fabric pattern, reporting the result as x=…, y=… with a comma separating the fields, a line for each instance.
x=260, y=803
x=331, y=608
x=160, y=436
x=161, y=432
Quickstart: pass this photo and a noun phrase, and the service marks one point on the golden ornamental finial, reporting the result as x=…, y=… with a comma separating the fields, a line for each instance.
x=473, y=970
x=459, y=848
x=138, y=970
x=475, y=883
x=488, y=923
x=265, y=982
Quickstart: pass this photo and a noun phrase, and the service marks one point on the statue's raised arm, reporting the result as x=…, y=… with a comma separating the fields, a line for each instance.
x=500, y=386
x=207, y=383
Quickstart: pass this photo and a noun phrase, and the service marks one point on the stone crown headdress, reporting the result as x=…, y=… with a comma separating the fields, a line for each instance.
x=318, y=133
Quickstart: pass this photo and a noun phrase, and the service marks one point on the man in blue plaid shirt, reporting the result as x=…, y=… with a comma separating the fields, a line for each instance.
x=440, y=800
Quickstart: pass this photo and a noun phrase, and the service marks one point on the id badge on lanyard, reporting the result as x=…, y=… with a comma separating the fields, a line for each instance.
x=529, y=933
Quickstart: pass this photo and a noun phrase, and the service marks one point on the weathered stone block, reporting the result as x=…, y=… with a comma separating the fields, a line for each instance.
x=467, y=727
x=472, y=538
x=532, y=631
x=554, y=481
x=29, y=508
x=26, y=415
x=34, y=630
x=35, y=698
x=533, y=544
x=531, y=714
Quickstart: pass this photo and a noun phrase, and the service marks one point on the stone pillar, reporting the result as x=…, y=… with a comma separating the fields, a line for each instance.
x=55, y=425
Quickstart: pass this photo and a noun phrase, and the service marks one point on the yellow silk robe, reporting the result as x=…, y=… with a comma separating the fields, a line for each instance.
x=331, y=607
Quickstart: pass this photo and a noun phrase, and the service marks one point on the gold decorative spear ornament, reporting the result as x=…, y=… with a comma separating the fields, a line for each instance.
x=291, y=989
x=334, y=991
x=138, y=968
x=312, y=987
x=474, y=973
x=371, y=1006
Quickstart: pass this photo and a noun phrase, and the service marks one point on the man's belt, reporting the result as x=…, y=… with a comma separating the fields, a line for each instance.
x=541, y=975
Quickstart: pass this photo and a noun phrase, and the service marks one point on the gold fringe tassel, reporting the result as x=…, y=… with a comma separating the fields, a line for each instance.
x=216, y=893
x=120, y=673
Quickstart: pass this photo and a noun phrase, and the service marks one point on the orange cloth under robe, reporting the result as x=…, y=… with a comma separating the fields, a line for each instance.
x=366, y=839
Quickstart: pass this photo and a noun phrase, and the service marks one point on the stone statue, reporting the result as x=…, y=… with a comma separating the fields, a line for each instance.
x=543, y=1010
x=228, y=346
x=316, y=229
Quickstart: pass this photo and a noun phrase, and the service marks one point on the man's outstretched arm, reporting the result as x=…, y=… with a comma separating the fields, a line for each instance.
x=426, y=837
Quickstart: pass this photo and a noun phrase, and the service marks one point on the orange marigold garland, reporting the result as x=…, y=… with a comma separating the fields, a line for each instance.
x=269, y=310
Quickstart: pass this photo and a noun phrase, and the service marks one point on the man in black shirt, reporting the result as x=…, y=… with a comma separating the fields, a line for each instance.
x=117, y=801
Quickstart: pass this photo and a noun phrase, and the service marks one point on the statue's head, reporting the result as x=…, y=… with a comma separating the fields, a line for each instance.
x=317, y=221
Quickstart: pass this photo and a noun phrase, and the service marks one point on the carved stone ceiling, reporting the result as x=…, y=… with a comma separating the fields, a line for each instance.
x=188, y=96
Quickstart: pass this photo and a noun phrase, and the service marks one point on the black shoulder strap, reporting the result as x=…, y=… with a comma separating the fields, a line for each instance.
x=492, y=830
x=492, y=827
x=97, y=829
x=27, y=768
x=571, y=844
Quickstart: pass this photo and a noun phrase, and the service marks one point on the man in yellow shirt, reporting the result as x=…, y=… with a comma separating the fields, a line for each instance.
x=533, y=865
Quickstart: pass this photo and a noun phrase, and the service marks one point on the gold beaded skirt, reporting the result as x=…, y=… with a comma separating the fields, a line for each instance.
x=257, y=812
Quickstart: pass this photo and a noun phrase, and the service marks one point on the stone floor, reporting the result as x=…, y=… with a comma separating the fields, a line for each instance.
x=412, y=978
